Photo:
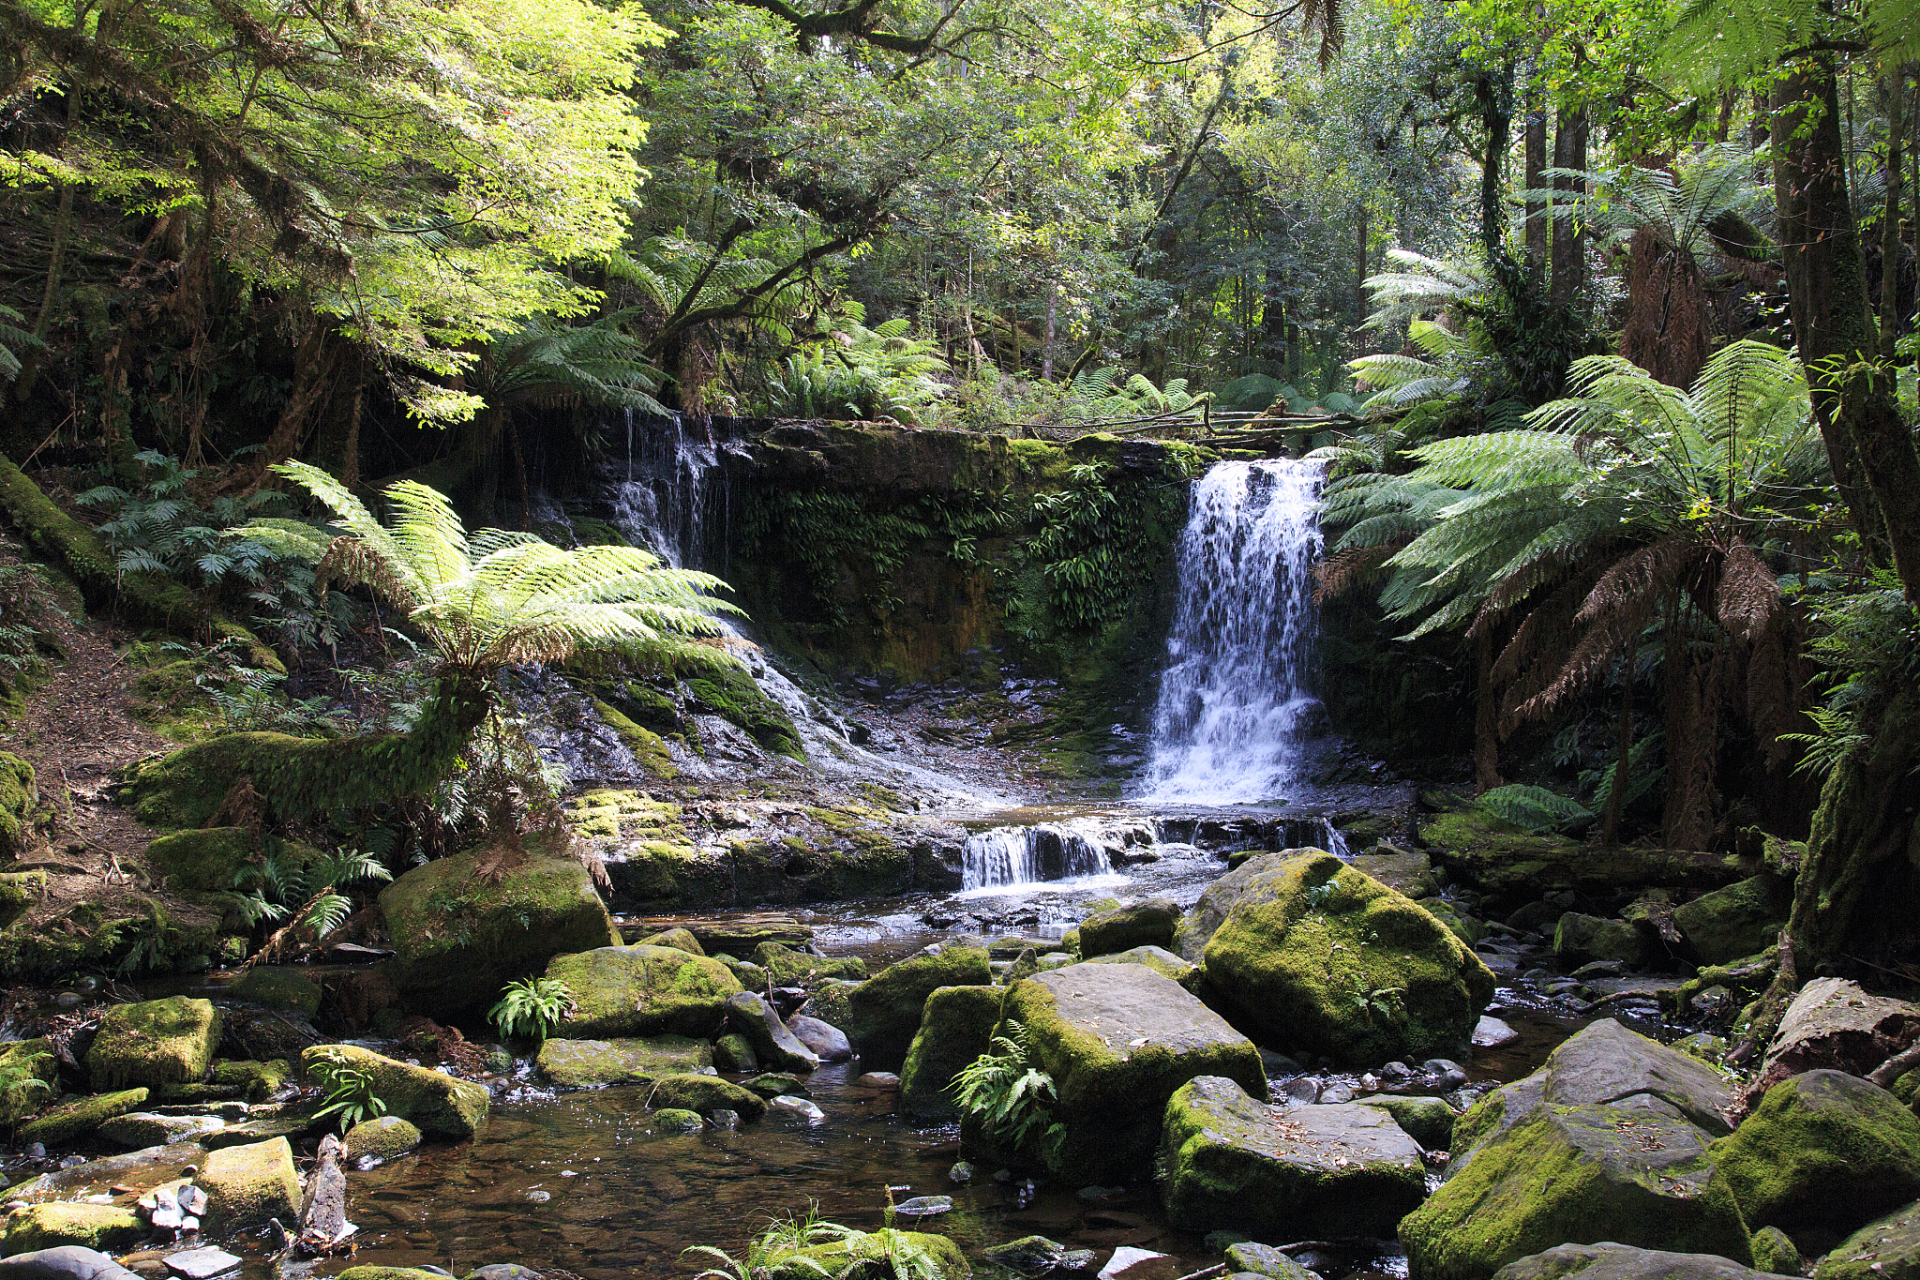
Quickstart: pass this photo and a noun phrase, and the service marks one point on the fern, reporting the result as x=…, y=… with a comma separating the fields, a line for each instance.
x=1534, y=808
x=12, y=340
x=1010, y=1097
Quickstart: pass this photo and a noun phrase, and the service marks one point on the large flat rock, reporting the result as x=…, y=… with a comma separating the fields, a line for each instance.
x=1624, y=1262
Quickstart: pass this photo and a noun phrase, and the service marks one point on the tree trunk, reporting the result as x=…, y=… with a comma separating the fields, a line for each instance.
x=1622, y=760
x=1494, y=91
x=1692, y=708
x=1895, y=90
x=1569, y=254
x=1360, y=272
x=1869, y=447
x=1536, y=179
x=313, y=364
x=1046, y=356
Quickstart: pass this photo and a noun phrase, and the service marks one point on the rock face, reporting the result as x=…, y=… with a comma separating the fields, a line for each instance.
x=1607, y=1142
x=1885, y=1250
x=883, y=1013
x=459, y=938
x=621, y=992
x=1138, y=924
x=1623, y=1262
x=1118, y=1039
x=1823, y=1150
x=579, y=1063
x=1312, y=1171
x=1833, y=1023
x=438, y=1104
x=774, y=1044
x=1737, y=921
x=87, y=1226
x=154, y=1042
x=247, y=1185
x=956, y=1029
x=1312, y=953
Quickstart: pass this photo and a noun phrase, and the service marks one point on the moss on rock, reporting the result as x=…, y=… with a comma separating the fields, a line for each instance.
x=955, y=1028
x=1315, y=954
x=1739, y=920
x=278, y=987
x=247, y=1185
x=1137, y=924
x=1428, y=1121
x=79, y=1117
x=580, y=1063
x=34, y=1072
x=621, y=992
x=382, y=1139
x=679, y=939
x=1579, y=938
x=1887, y=1249
x=792, y=967
x=648, y=747
x=18, y=795
x=438, y=1104
x=106, y=1227
x=459, y=938
x=254, y=1081
x=1514, y=865
x=206, y=858
x=154, y=1042
x=705, y=1094
x=727, y=691
x=868, y=1255
x=884, y=1012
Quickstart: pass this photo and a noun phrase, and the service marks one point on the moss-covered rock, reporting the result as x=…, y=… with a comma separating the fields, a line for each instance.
x=868, y=1255
x=1887, y=1249
x=1428, y=1121
x=705, y=1094
x=19, y=890
x=77, y=1117
x=253, y=1081
x=382, y=1139
x=1315, y=1171
x=579, y=1063
x=1775, y=1251
x=1579, y=938
x=734, y=1052
x=1624, y=1262
x=154, y=1042
x=622, y=992
x=204, y=858
x=279, y=987
x=148, y=939
x=791, y=967
x=774, y=1043
x=956, y=1028
x=1118, y=1040
x=677, y=1120
x=648, y=747
x=458, y=937
x=727, y=691
x=1400, y=870
x=831, y=1002
x=438, y=1104
x=884, y=1012
x=247, y=1185
x=139, y=1129
x=106, y=1227
x=1638, y=1175
x=1314, y=954
x=1149, y=923
x=18, y=795
x=33, y=1072
x=1823, y=1150
x=1726, y=924
x=680, y=939
x=1515, y=866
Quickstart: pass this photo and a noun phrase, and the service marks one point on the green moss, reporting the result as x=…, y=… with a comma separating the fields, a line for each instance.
x=677, y=1120
x=387, y=1138
x=1774, y=1251
x=18, y=795
x=19, y=890
x=1510, y=863
x=955, y=1029
x=595, y=1062
x=155, y=1042
x=80, y=1116
x=1736, y=921
x=705, y=1094
x=884, y=1012
x=642, y=991
x=1318, y=955
x=1888, y=1249
x=438, y=1104
x=247, y=1185
x=648, y=747
x=791, y=967
x=613, y=813
x=874, y=1249
x=1428, y=1121
x=256, y=1081
x=459, y=937
x=105, y=1227
x=86, y=938
x=23, y=1062
x=729, y=692
x=680, y=939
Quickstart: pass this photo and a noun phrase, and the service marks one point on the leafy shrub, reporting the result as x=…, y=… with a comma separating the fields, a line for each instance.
x=1535, y=809
x=350, y=1095
x=530, y=1008
x=779, y=1251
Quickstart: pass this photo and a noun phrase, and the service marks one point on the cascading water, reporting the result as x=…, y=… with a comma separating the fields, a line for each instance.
x=1234, y=699
x=1007, y=856
x=661, y=497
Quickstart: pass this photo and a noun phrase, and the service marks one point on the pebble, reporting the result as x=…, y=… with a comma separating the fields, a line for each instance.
x=1304, y=1088
x=799, y=1108
x=1491, y=1033
x=722, y=1118
x=877, y=1080
x=1396, y=1072
x=538, y=1196
x=201, y=1264
x=1370, y=1082
x=67, y=1000
x=72, y=1161
x=36, y=1152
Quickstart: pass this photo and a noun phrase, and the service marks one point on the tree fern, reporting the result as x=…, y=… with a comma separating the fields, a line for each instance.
x=1534, y=808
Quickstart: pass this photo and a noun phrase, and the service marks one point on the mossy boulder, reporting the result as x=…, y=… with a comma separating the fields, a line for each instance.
x=1314, y=954
x=1516, y=866
x=884, y=1012
x=382, y=1139
x=622, y=992
x=204, y=858
x=1637, y=1174
x=35, y=1075
x=774, y=1043
x=955, y=1028
x=438, y=1104
x=107, y=1227
x=255, y=1081
x=705, y=1094
x=677, y=1120
x=1579, y=938
x=868, y=1255
x=18, y=795
x=579, y=1063
x=1118, y=1040
x=734, y=1052
x=1824, y=1150
x=1428, y=1121
x=78, y=1117
x=1886, y=1249
x=278, y=987
x=680, y=939
x=791, y=967
x=1158, y=959
x=458, y=938
x=139, y=1129
x=1727, y=924
x=1149, y=923
x=1624, y=1262
x=1234, y=1162
x=247, y=1185
x=1775, y=1251
x=831, y=1002
x=19, y=890
x=154, y=1042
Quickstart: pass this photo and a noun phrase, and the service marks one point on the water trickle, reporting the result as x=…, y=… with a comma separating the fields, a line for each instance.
x=1235, y=699
x=673, y=478
x=1007, y=856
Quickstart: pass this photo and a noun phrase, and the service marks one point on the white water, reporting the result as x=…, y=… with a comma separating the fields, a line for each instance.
x=1010, y=857
x=1234, y=698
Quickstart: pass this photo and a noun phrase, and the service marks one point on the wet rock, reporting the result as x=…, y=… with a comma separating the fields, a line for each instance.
x=1428, y=1121
x=1118, y=1040
x=154, y=1042
x=1125, y=1259
x=511, y=927
x=798, y=1109
x=924, y=1206
x=792, y=967
x=1158, y=959
x=200, y=1264
x=503, y=1271
x=1824, y=1150
x=1624, y=1262
x=1408, y=873
x=722, y=1118
x=678, y=1120
x=955, y=1029
x=830, y=1002
x=885, y=1011
x=877, y=1080
x=1739, y=920
x=246, y=1186
x=1315, y=954
x=1888, y=1249
x=732, y=1052
x=642, y=991
x=1582, y=937
x=1249, y=1258
x=962, y=1172
x=1311, y=1171
x=1491, y=1033
x=1304, y=1089
x=383, y=1139
x=78, y=1117
x=138, y=1129
x=829, y=1043
x=88, y=1226
x=580, y=1063
x=1036, y=1256
x=1834, y=1023
x=437, y=1103
x=773, y=1084
x=705, y=1093
x=1148, y=923
x=773, y=1044
x=278, y=987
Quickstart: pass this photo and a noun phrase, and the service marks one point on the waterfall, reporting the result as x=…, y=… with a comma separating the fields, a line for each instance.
x=1007, y=856
x=1234, y=698
x=661, y=499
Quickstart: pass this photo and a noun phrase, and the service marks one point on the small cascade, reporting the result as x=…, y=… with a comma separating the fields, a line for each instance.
x=1007, y=856
x=1234, y=700
x=670, y=494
